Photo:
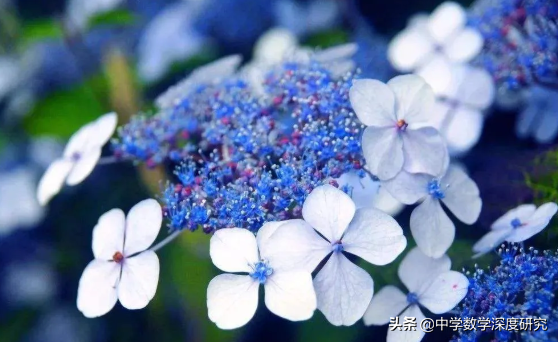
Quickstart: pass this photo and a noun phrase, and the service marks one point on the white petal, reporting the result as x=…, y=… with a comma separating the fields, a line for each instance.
x=527, y=121
x=463, y=47
x=411, y=335
x=373, y=103
x=407, y=187
x=462, y=195
x=425, y=151
x=414, y=98
x=344, y=290
x=535, y=224
x=329, y=211
x=105, y=127
x=475, y=87
x=232, y=300
x=80, y=141
x=336, y=53
x=417, y=270
x=547, y=127
x=409, y=49
x=374, y=236
x=493, y=239
x=233, y=250
x=545, y=212
x=52, y=180
x=290, y=294
x=446, y=20
x=84, y=166
x=364, y=190
x=445, y=292
x=387, y=203
x=463, y=130
x=108, y=234
x=386, y=303
x=265, y=232
x=522, y=213
x=295, y=245
x=138, y=282
x=97, y=288
x=142, y=226
x=432, y=229
x=437, y=72
x=383, y=150
x=217, y=70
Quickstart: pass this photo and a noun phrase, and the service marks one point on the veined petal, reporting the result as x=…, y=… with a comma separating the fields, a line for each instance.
x=295, y=245
x=411, y=335
x=108, y=235
x=233, y=250
x=266, y=231
x=414, y=98
x=446, y=20
x=383, y=150
x=417, y=270
x=374, y=236
x=290, y=294
x=445, y=292
x=52, y=180
x=408, y=188
x=462, y=195
x=373, y=103
x=80, y=141
x=522, y=213
x=432, y=229
x=232, y=300
x=386, y=303
x=344, y=290
x=142, y=226
x=493, y=239
x=97, y=288
x=104, y=128
x=464, y=46
x=425, y=151
x=329, y=211
x=409, y=48
x=84, y=166
x=138, y=282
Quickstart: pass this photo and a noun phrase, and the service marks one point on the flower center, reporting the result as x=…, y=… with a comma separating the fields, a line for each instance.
x=337, y=247
x=75, y=156
x=262, y=271
x=118, y=257
x=402, y=125
x=412, y=298
x=516, y=223
x=434, y=189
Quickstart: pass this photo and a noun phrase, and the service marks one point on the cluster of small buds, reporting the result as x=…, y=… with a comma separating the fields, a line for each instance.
x=258, y=155
x=522, y=285
x=521, y=40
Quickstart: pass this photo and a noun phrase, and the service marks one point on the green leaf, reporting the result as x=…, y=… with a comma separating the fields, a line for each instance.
x=40, y=29
x=327, y=39
x=117, y=17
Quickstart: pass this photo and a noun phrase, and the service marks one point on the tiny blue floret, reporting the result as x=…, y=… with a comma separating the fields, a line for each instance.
x=262, y=271
x=434, y=189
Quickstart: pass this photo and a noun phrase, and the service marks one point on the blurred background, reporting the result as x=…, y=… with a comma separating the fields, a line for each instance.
x=64, y=63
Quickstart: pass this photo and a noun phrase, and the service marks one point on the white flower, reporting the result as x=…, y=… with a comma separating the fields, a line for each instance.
x=458, y=111
x=80, y=157
x=123, y=268
x=208, y=74
x=343, y=289
x=232, y=299
x=539, y=117
x=430, y=225
x=394, y=139
x=428, y=43
x=516, y=225
x=431, y=284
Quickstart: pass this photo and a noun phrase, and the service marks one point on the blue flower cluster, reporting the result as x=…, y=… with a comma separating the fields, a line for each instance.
x=246, y=156
x=523, y=285
x=521, y=40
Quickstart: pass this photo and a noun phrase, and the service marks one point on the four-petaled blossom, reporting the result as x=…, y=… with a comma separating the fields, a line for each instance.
x=430, y=45
x=431, y=284
x=232, y=299
x=122, y=269
x=430, y=225
x=516, y=225
x=393, y=140
x=332, y=225
x=80, y=157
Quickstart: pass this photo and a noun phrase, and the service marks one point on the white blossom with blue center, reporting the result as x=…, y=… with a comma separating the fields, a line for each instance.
x=431, y=284
x=431, y=227
x=232, y=299
x=333, y=226
x=517, y=225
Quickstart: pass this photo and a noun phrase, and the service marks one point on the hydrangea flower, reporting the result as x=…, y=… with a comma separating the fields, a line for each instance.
x=539, y=118
x=459, y=110
x=79, y=159
x=431, y=284
x=431, y=227
x=429, y=45
x=517, y=225
x=123, y=268
x=232, y=299
x=396, y=138
x=330, y=227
